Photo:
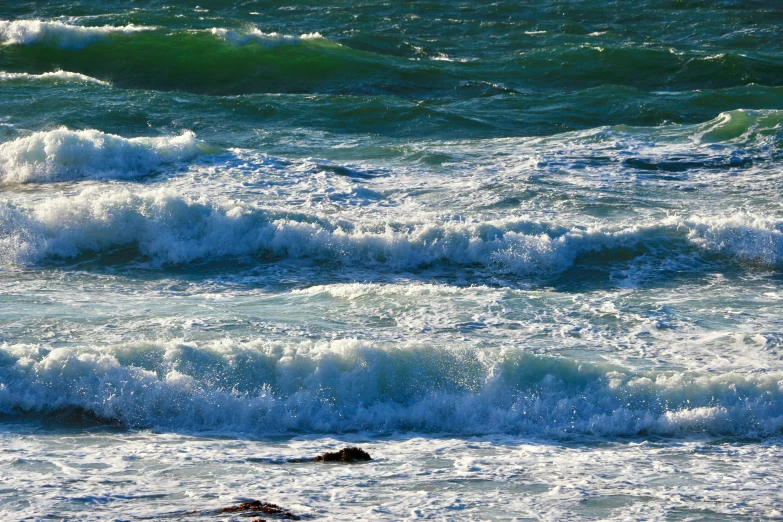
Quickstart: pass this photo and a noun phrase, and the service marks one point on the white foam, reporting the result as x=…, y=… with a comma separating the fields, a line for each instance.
x=256, y=36
x=50, y=76
x=161, y=475
x=263, y=387
x=63, y=155
x=746, y=236
x=171, y=228
x=176, y=229
x=354, y=291
x=26, y=32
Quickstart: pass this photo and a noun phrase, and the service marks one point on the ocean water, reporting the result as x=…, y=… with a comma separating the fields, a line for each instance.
x=528, y=255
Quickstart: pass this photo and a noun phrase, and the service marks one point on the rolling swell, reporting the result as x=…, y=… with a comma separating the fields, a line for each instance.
x=229, y=62
x=169, y=229
x=347, y=385
x=233, y=61
x=593, y=65
x=228, y=121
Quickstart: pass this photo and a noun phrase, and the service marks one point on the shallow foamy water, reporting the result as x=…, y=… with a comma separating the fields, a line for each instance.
x=123, y=475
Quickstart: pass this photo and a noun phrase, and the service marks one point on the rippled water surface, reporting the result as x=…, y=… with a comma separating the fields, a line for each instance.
x=527, y=254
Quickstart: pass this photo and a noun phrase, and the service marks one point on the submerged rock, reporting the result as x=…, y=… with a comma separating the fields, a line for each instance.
x=352, y=454
x=255, y=507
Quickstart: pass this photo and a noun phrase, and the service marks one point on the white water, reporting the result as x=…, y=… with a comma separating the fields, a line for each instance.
x=26, y=32
x=347, y=385
x=161, y=475
x=254, y=35
x=521, y=330
x=51, y=76
x=67, y=155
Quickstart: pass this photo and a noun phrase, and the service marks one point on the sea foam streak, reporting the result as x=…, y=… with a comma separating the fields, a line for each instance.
x=26, y=32
x=171, y=228
x=260, y=387
x=64, y=155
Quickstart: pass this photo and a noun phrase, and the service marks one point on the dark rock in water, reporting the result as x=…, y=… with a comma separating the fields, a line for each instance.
x=352, y=454
x=256, y=507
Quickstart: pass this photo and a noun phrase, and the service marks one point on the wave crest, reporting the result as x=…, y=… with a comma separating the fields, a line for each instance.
x=256, y=36
x=346, y=385
x=50, y=76
x=744, y=236
x=173, y=229
x=65, y=155
x=26, y=32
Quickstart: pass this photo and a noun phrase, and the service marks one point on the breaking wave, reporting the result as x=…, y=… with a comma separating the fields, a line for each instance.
x=50, y=76
x=348, y=385
x=26, y=32
x=169, y=228
x=66, y=155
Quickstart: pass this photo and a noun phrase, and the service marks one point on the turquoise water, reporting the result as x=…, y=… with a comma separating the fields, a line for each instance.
x=529, y=254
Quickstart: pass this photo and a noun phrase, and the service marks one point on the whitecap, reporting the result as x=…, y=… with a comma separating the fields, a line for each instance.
x=26, y=32
x=256, y=36
x=66, y=76
x=66, y=155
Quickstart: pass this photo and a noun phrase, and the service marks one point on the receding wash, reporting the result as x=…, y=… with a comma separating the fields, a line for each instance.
x=527, y=257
